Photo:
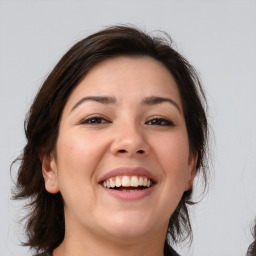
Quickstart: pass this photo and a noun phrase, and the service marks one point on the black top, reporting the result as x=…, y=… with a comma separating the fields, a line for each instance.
x=170, y=252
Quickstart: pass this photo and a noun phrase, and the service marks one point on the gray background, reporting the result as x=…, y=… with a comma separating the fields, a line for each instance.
x=219, y=39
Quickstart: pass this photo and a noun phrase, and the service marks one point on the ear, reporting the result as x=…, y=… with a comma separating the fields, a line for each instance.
x=49, y=171
x=192, y=162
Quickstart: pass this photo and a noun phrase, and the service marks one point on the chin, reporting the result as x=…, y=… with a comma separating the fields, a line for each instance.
x=129, y=226
x=128, y=233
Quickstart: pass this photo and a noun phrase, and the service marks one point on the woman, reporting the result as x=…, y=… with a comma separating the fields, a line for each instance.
x=115, y=137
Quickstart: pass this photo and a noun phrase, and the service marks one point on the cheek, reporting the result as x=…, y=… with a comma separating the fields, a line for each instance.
x=173, y=148
x=76, y=161
x=77, y=149
x=77, y=157
x=173, y=155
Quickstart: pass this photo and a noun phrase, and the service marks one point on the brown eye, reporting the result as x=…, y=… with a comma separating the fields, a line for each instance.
x=159, y=122
x=94, y=120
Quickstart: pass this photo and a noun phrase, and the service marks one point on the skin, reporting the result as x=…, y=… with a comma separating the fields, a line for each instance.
x=126, y=133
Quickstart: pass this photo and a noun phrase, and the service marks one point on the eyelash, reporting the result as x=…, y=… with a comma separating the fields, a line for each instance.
x=93, y=120
x=157, y=120
x=97, y=120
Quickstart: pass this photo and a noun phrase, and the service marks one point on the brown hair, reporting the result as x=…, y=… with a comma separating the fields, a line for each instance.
x=252, y=248
x=45, y=221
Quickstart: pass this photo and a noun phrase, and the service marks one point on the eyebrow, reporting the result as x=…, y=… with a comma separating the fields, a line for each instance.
x=152, y=100
x=100, y=99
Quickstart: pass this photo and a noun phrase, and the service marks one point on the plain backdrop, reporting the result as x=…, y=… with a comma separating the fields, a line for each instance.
x=217, y=37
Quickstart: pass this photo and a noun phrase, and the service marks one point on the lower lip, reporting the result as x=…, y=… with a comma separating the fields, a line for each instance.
x=130, y=196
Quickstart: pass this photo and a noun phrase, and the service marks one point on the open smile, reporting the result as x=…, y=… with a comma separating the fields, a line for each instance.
x=122, y=181
x=128, y=183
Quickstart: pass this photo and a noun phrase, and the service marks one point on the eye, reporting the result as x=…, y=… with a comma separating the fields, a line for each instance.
x=160, y=122
x=94, y=120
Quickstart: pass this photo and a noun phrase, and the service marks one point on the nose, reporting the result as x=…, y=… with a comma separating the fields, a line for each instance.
x=130, y=141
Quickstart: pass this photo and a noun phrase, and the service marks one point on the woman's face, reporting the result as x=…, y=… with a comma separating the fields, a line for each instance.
x=122, y=160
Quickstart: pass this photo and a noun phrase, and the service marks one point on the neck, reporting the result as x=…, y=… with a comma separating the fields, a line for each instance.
x=84, y=243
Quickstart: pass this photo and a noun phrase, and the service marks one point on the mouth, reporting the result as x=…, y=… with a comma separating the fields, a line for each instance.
x=122, y=181
x=128, y=183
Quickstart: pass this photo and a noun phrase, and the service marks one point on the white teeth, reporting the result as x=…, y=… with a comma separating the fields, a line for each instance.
x=108, y=184
x=129, y=190
x=112, y=183
x=134, y=181
x=118, y=182
x=127, y=181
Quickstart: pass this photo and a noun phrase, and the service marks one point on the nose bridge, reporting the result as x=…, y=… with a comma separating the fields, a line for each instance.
x=129, y=139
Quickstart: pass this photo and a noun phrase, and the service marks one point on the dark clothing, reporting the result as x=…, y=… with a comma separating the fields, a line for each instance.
x=174, y=253
x=170, y=252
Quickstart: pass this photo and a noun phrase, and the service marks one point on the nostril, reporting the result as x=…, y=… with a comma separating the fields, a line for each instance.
x=122, y=151
x=140, y=151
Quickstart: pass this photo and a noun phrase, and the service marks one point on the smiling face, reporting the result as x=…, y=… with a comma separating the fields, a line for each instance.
x=122, y=160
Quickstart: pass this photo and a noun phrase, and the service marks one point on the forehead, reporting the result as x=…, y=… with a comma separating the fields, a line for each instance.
x=127, y=77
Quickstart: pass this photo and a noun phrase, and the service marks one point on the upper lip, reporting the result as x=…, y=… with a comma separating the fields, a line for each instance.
x=128, y=171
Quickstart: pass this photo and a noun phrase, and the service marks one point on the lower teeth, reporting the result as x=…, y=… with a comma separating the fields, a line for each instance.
x=125, y=189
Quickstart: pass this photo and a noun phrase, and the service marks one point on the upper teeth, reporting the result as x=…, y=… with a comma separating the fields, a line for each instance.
x=127, y=181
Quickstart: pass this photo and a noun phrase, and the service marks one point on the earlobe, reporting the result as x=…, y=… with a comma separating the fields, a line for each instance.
x=192, y=162
x=49, y=171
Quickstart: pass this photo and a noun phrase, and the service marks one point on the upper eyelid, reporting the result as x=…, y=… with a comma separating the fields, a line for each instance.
x=93, y=116
x=159, y=117
x=101, y=116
